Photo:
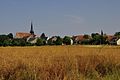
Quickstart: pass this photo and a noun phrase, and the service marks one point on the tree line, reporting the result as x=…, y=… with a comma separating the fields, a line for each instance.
x=93, y=39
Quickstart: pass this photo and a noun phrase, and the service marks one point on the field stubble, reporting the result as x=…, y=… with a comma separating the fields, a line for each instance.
x=60, y=63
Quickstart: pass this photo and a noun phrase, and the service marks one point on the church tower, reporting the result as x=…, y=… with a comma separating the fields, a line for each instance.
x=31, y=30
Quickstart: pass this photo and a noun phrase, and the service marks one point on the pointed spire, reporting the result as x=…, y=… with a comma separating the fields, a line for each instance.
x=31, y=30
x=101, y=32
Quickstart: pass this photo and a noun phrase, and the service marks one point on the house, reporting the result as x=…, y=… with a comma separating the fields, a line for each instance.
x=71, y=42
x=52, y=39
x=118, y=42
x=79, y=38
x=111, y=39
x=32, y=39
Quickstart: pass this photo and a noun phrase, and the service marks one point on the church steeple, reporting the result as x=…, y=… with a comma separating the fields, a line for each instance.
x=101, y=32
x=31, y=30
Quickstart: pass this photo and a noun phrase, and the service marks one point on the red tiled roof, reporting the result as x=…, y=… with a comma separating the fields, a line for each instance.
x=22, y=35
x=79, y=37
x=110, y=37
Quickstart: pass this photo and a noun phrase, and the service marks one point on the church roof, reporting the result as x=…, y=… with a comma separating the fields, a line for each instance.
x=22, y=35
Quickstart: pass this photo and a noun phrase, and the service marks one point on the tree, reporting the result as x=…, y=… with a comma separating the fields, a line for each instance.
x=117, y=34
x=67, y=40
x=58, y=41
x=85, y=42
x=18, y=42
x=7, y=43
x=10, y=35
x=93, y=35
x=3, y=37
x=96, y=38
x=43, y=36
x=40, y=42
x=1, y=43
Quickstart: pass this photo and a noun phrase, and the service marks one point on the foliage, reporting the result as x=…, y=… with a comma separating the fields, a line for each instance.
x=94, y=39
x=5, y=40
x=98, y=39
x=58, y=41
x=43, y=36
x=3, y=37
x=67, y=40
x=117, y=34
x=85, y=42
x=40, y=42
x=10, y=35
x=55, y=40
x=7, y=43
x=18, y=42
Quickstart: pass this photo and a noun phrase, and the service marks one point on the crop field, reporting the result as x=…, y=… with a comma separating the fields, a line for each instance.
x=60, y=63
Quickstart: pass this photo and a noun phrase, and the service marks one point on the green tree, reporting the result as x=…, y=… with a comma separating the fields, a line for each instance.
x=7, y=43
x=85, y=42
x=3, y=37
x=43, y=36
x=18, y=42
x=98, y=39
x=40, y=42
x=1, y=43
x=10, y=35
x=58, y=41
x=117, y=34
x=67, y=40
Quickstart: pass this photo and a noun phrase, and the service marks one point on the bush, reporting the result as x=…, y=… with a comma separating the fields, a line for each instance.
x=40, y=42
x=66, y=40
x=58, y=41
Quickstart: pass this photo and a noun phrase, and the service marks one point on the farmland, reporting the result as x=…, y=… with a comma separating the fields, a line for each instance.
x=60, y=63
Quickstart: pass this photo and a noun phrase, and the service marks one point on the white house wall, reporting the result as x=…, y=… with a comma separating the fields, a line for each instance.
x=118, y=42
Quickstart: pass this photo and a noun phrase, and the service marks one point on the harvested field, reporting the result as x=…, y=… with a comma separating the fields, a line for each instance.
x=60, y=63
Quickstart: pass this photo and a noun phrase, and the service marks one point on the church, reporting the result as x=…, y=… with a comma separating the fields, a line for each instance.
x=24, y=34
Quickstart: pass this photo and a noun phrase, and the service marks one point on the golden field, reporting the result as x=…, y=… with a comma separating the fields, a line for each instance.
x=60, y=63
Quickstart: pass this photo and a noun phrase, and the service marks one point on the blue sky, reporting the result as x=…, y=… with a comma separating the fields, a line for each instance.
x=60, y=17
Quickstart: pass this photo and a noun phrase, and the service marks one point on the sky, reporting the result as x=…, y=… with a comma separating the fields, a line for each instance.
x=60, y=17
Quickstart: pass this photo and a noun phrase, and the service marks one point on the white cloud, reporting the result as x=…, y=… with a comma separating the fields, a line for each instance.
x=74, y=19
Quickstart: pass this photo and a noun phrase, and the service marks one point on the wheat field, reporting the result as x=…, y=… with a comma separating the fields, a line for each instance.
x=60, y=63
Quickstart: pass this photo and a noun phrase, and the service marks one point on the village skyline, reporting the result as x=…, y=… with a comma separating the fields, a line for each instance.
x=31, y=39
x=32, y=27
x=59, y=39
x=32, y=30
